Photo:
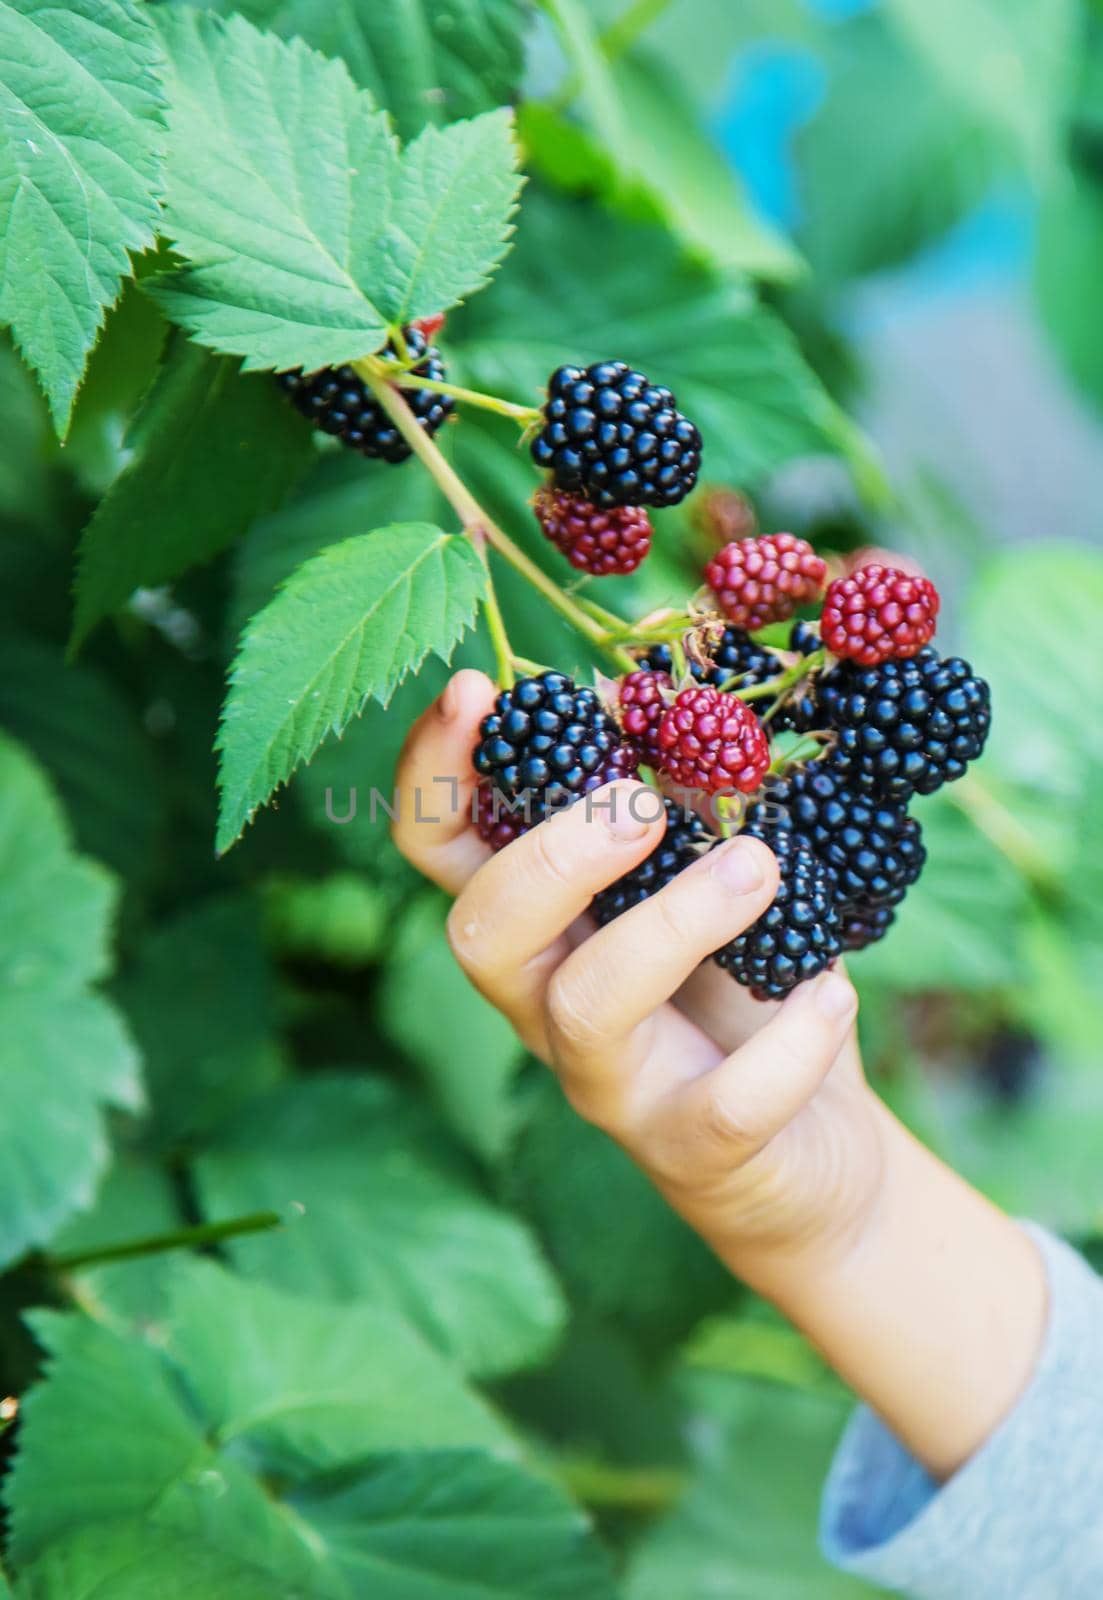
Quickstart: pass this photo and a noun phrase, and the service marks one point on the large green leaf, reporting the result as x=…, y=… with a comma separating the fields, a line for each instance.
x=1070, y=248
x=389, y=1218
x=213, y=450
x=242, y=1424
x=1047, y=700
x=80, y=152
x=425, y=60
x=201, y=999
x=747, y=1527
x=64, y=1055
x=656, y=164
x=620, y=1250
x=868, y=204
x=582, y=284
x=345, y=629
x=277, y=208
x=453, y=193
x=307, y=235
x=1011, y=60
x=472, y=1080
x=80, y=726
x=129, y=1560
x=956, y=928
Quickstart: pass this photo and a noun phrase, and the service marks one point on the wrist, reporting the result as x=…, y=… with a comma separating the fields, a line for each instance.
x=931, y=1306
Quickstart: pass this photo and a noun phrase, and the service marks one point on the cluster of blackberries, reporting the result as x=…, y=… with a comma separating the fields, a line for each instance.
x=846, y=847
x=337, y=400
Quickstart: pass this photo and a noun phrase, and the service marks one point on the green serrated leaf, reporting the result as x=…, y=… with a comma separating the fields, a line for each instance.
x=453, y=195
x=277, y=209
x=425, y=60
x=64, y=1054
x=241, y=1425
x=346, y=628
x=213, y=451
x=81, y=138
x=389, y=1217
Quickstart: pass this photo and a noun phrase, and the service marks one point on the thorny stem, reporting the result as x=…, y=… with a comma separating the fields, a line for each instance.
x=154, y=1244
x=477, y=524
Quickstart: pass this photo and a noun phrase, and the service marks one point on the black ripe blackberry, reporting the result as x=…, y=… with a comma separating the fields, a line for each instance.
x=337, y=400
x=905, y=727
x=686, y=838
x=864, y=925
x=614, y=437
x=550, y=741
x=800, y=711
x=734, y=656
x=798, y=935
x=872, y=846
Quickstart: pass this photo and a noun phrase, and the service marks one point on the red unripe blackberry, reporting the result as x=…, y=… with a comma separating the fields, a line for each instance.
x=429, y=326
x=616, y=438
x=798, y=935
x=879, y=614
x=642, y=700
x=337, y=400
x=498, y=819
x=713, y=742
x=685, y=840
x=765, y=579
x=606, y=543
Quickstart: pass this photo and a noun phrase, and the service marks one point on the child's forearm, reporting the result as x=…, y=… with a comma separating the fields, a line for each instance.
x=933, y=1311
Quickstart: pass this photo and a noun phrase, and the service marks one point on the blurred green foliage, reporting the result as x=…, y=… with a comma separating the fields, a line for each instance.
x=476, y=1314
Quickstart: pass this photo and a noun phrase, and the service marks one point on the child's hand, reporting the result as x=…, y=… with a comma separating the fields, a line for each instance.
x=753, y=1119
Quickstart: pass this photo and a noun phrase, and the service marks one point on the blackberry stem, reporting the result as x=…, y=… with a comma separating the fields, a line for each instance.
x=525, y=416
x=496, y=627
x=478, y=526
x=778, y=686
x=181, y=1239
x=1002, y=828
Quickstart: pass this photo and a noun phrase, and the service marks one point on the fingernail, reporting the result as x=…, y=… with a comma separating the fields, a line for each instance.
x=448, y=705
x=627, y=814
x=737, y=865
x=834, y=997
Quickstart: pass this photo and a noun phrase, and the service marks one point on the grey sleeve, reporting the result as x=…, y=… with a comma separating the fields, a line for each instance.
x=1023, y=1518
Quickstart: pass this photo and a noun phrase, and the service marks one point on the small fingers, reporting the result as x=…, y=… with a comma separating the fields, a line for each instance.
x=745, y=1101
x=515, y=911
x=436, y=783
x=618, y=978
